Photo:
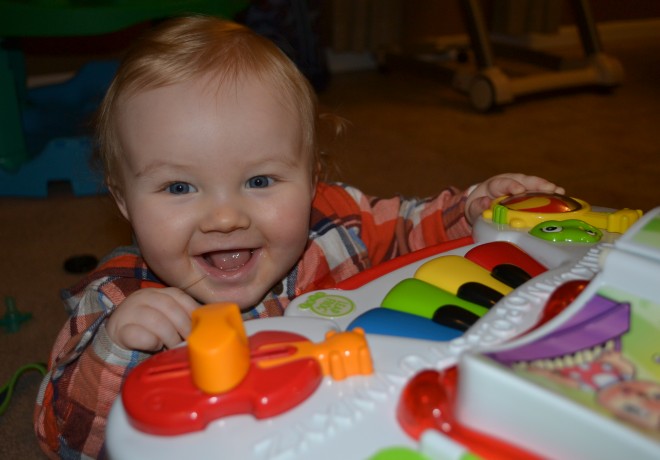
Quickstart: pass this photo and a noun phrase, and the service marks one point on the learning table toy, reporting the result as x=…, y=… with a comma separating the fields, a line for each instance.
x=491, y=345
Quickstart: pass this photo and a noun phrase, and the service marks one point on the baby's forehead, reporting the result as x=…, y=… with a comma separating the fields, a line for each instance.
x=224, y=90
x=218, y=86
x=199, y=107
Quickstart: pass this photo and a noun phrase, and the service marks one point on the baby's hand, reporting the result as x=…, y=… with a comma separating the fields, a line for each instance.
x=150, y=319
x=482, y=196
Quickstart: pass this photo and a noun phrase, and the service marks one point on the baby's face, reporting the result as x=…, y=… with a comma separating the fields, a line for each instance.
x=218, y=187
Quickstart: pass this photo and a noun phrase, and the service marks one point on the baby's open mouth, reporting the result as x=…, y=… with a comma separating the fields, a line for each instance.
x=230, y=260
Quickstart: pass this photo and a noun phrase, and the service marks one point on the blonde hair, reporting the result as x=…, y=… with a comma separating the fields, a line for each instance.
x=188, y=47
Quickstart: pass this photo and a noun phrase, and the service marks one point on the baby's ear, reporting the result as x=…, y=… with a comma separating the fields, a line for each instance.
x=118, y=196
x=316, y=175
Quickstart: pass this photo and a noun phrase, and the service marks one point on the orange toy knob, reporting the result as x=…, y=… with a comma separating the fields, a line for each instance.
x=218, y=348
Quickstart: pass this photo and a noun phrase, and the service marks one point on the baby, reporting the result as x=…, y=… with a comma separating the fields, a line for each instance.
x=208, y=138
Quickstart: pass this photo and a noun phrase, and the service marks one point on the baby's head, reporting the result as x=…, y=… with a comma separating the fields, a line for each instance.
x=208, y=138
x=194, y=47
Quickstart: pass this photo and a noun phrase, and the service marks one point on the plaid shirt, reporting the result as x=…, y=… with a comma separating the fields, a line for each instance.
x=349, y=233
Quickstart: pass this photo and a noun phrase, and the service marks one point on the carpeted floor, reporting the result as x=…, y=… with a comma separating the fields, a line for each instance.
x=410, y=133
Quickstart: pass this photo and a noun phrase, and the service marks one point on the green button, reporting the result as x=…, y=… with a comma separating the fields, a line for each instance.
x=398, y=453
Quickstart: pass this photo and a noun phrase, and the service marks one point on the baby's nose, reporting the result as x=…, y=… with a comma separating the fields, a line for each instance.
x=225, y=217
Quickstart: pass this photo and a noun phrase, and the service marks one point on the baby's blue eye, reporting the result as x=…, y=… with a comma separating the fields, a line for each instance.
x=259, y=182
x=180, y=188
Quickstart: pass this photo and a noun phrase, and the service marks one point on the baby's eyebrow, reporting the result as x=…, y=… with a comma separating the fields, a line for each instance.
x=286, y=158
x=158, y=165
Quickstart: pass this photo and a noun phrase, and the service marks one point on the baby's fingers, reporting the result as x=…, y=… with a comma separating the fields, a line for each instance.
x=136, y=337
x=182, y=299
x=536, y=184
x=180, y=320
x=164, y=327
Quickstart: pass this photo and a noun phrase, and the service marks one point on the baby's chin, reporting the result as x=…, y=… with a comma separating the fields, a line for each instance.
x=206, y=296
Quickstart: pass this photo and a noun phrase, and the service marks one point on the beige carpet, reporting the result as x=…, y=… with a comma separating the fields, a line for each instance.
x=410, y=133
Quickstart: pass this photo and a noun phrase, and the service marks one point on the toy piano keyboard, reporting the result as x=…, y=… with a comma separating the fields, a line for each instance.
x=347, y=372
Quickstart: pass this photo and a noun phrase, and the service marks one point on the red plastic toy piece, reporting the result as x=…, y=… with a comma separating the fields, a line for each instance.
x=490, y=255
x=561, y=298
x=160, y=396
x=427, y=402
x=540, y=202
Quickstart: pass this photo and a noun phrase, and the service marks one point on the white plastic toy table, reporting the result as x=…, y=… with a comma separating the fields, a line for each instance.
x=355, y=418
